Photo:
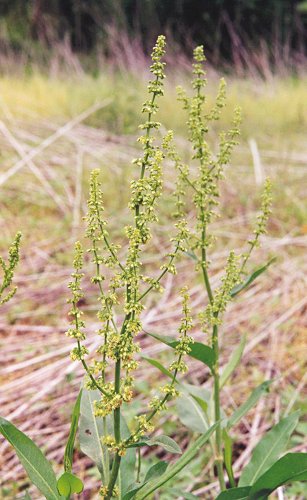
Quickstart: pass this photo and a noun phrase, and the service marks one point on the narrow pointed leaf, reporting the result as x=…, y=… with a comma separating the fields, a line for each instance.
x=132, y=491
x=233, y=362
x=235, y=494
x=91, y=430
x=202, y=403
x=268, y=450
x=228, y=457
x=158, y=365
x=238, y=288
x=69, y=450
x=164, y=441
x=191, y=414
x=175, y=468
x=156, y=470
x=35, y=463
x=251, y=401
x=199, y=351
x=68, y=484
x=291, y=467
x=127, y=464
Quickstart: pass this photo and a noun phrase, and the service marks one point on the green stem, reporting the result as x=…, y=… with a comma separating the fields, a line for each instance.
x=217, y=411
x=161, y=275
x=215, y=345
x=113, y=477
x=139, y=464
x=117, y=434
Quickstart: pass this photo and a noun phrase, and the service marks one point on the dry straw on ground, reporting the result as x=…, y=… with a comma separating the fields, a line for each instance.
x=43, y=169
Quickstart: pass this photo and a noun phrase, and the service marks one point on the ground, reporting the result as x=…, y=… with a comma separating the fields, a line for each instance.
x=52, y=133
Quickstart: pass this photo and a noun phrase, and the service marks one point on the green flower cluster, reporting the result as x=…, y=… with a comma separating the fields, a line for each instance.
x=262, y=220
x=9, y=269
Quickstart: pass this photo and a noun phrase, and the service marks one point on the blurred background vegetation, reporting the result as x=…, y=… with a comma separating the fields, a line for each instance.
x=243, y=33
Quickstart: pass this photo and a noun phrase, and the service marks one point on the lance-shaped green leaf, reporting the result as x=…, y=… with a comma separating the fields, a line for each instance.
x=69, y=450
x=268, y=450
x=251, y=401
x=154, y=471
x=238, y=288
x=164, y=441
x=127, y=463
x=68, y=484
x=91, y=431
x=235, y=494
x=33, y=460
x=158, y=365
x=174, y=469
x=192, y=414
x=233, y=362
x=199, y=351
x=228, y=457
x=291, y=467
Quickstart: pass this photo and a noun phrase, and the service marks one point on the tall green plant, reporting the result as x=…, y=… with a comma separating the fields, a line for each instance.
x=204, y=190
x=122, y=287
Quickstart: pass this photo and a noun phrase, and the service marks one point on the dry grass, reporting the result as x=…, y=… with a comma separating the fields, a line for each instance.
x=43, y=182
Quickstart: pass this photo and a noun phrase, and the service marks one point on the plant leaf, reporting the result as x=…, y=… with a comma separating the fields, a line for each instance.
x=238, y=288
x=158, y=365
x=291, y=467
x=68, y=484
x=134, y=488
x=175, y=468
x=184, y=494
x=91, y=430
x=127, y=464
x=268, y=449
x=251, y=401
x=235, y=494
x=69, y=450
x=33, y=460
x=164, y=441
x=155, y=470
x=202, y=403
x=233, y=362
x=191, y=414
x=199, y=351
x=228, y=457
